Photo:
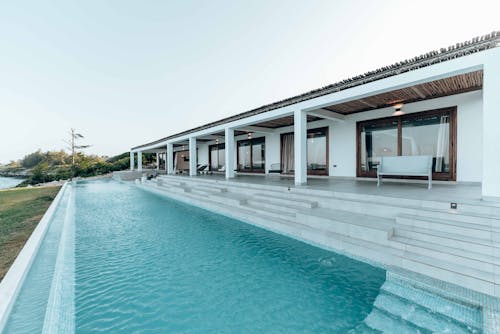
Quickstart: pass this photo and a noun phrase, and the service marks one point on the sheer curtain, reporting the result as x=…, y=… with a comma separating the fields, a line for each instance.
x=175, y=162
x=287, y=150
x=442, y=150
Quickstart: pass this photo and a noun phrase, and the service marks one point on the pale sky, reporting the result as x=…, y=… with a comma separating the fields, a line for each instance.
x=124, y=73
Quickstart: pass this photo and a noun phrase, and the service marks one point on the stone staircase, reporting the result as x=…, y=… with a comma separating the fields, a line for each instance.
x=456, y=246
x=404, y=308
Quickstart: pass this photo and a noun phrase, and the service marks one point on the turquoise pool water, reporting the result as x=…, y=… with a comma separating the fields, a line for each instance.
x=148, y=264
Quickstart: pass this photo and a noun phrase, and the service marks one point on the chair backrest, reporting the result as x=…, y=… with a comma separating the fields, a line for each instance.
x=406, y=164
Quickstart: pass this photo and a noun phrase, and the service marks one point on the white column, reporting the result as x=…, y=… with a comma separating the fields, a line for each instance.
x=192, y=156
x=139, y=161
x=132, y=160
x=491, y=134
x=229, y=150
x=165, y=160
x=300, y=146
x=157, y=161
x=170, y=159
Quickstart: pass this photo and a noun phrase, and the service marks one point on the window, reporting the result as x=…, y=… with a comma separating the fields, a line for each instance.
x=317, y=152
x=217, y=157
x=427, y=133
x=252, y=155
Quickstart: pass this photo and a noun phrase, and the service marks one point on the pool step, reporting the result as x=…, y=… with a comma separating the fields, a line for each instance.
x=459, y=241
x=288, y=200
x=409, y=309
x=280, y=213
x=393, y=208
x=265, y=203
x=448, y=225
x=355, y=225
x=455, y=255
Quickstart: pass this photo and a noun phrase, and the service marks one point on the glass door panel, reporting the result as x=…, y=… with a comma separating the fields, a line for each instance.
x=377, y=140
x=428, y=135
x=244, y=158
x=317, y=151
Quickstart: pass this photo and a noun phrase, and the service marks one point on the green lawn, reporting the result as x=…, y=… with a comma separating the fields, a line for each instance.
x=20, y=211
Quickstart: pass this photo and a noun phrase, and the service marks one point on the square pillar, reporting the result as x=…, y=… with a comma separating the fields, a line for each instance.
x=170, y=159
x=132, y=163
x=491, y=134
x=165, y=160
x=192, y=157
x=139, y=161
x=157, y=161
x=300, y=146
x=229, y=151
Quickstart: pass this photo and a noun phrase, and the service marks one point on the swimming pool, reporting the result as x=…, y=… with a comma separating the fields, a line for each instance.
x=145, y=263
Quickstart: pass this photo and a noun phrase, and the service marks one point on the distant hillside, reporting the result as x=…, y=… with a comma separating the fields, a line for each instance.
x=40, y=167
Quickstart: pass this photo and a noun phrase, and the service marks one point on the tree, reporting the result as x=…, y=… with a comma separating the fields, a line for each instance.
x=73, y=147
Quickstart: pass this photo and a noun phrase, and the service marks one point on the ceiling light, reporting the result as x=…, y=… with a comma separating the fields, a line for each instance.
x=398, y=110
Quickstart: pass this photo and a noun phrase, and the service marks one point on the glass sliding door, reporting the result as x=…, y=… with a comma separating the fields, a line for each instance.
x=252, y=155
x=378, y=139
x=317, y=152
x=426, y=133
x=217, y=157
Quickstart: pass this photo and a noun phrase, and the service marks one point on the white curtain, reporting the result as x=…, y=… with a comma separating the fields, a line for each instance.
x=364, y=164
x=442, y=150
x=175, y=162
x=287, y=149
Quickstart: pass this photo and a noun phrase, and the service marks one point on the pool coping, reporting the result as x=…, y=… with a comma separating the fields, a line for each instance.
x=13, y=280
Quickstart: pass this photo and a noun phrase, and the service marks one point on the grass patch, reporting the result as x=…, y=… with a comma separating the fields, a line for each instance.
x=20, y=212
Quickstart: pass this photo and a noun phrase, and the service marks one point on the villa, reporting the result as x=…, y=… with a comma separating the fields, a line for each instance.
x=303, y=166
x=371, y=205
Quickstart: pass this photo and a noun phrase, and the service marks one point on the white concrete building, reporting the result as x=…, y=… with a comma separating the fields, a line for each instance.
x=445, y=104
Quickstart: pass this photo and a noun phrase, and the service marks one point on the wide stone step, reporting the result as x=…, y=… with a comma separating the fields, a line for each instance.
x=477, y=280
x=477, y=245
x=459, y=256
x=210, y=188
x=228, y=198
x=358, y=226
x=161, y=181
x=446, y=225
x=396, y=207
x=276, y=213
x=468, y=315
x=286, y=199
x=272, y=205
x=467, y=208
x=175, y=188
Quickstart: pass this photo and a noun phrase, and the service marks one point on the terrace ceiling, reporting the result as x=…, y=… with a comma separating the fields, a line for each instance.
x=444, y=87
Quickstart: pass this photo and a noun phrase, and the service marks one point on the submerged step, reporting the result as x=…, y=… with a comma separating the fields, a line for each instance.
x=385, y=323
x=418, y=315
x=468, y=316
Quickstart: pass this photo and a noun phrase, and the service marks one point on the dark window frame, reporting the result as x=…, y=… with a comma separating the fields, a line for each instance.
x=220, y=146
x=451, y=111
x=312, y=171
